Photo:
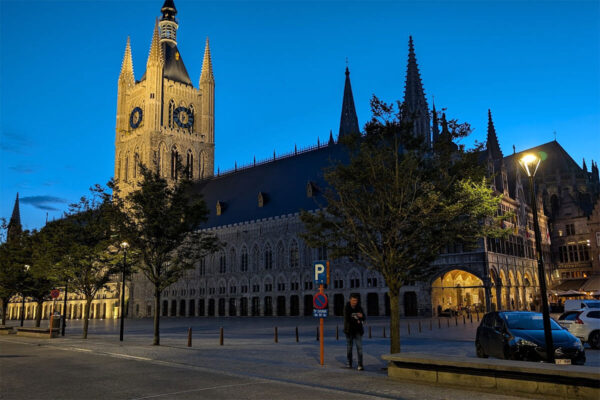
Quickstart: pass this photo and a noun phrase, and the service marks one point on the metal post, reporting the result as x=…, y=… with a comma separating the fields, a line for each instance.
x=541, y=276
x=22, y=309
x=123, y=294
x=64, y=316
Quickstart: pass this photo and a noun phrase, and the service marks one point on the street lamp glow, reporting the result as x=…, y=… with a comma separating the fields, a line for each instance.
x=530, y=163
x=124, y=245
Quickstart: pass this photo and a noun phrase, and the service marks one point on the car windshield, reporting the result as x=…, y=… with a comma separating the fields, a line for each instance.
x=529, y=322
x=593, y=304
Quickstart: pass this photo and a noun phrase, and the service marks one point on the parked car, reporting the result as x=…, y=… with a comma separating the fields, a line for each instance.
x=586, y=326
x=568, y=318
x=572, y=305
x=519, y=335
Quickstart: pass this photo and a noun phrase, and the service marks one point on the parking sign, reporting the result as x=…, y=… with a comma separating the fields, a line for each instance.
x=321, y=272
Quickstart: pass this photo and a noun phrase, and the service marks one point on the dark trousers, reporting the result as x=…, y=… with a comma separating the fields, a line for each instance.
x=354, y=339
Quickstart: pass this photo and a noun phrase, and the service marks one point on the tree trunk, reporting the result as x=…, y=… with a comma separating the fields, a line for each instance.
x=394, y=321
x=156, y=341
x=86, y=316
x=4, y=310
x=38, y=314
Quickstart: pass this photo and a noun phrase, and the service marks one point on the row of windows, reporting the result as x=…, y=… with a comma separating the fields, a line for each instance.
x=268, y=287
x=574, y=253
x=512, y=245
x=226, y=265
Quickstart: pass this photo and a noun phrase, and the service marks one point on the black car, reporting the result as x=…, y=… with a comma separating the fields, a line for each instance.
x=519, y=335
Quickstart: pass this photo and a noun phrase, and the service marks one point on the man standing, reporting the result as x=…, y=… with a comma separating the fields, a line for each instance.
x=354, y=318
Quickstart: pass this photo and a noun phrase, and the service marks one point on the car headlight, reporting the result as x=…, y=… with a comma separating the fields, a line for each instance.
x=577, y=343
x=524, y=342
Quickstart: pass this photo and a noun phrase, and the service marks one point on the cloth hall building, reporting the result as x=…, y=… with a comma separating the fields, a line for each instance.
x=265, y=268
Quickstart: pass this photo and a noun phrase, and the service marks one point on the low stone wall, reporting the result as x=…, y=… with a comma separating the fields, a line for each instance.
x=6, y=330
x=503, y=376
x=38, y=332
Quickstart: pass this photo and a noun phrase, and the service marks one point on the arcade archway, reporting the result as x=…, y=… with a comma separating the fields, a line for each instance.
x=457, y=290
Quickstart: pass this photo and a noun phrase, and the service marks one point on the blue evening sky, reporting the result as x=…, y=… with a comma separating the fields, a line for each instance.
x=279, y=71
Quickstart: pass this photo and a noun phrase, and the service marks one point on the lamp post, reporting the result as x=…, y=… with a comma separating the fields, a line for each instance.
x=26, y=269
x=64, y=317
x=124, y=246
x=530, y=164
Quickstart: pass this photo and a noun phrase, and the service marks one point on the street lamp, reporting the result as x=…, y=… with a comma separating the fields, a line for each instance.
x=530, y=163
x=124, y=246
x=26, y=269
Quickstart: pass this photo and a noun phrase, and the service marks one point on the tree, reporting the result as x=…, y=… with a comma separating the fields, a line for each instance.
x=395, y=203
x=162, y=224
x=89, y=237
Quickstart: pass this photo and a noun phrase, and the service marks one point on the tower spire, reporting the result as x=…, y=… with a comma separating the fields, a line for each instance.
x=415, y=105
x=207, y=71
x=493, y=146
x=127, y=75
x=348, y=120
x=435, y=128
x=14, y=225
x=168, y=22
x=584, y=166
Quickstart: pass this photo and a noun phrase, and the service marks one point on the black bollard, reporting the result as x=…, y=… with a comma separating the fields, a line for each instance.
x=190, y=336
x=297, y=338
x=221, y=337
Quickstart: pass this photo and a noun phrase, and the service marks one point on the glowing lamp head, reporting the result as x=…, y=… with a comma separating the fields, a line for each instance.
x=530, y=163
x=124, y=245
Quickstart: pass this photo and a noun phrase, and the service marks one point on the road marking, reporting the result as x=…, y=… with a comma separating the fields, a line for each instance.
x=127, y=356
x=200, y=390
x=76, y=349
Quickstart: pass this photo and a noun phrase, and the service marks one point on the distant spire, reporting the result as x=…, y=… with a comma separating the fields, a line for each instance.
x=156, y=55
x=584, y=167
x=415, y=104
x=127, y=75
x=348, y=120
x=331, y=141
x=14, y=225
x=435, y=128
x=445, y=135
x=207, y=71
x=493, y=146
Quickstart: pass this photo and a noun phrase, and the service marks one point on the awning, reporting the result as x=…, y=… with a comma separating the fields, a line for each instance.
x=571, y=284
x=592, y=284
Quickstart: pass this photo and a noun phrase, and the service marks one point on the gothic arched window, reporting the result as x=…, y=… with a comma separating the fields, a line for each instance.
x=189, y=167
x=174, y=157
x=255, y=257
x=202, y=160
x=280, y=255
x=171, y=112
x=294, y=255
x=244, y=260
x=136, y=165
x=268, y=257
x=127, y=168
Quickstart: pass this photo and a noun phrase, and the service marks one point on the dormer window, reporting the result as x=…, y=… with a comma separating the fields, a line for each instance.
x=311, y=189
x=262, y=199
x=220, y=207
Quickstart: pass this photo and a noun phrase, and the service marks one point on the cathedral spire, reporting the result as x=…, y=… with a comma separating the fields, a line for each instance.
x=156, y=55
x=127, y=75
x=584, y=166
x=415, y=105
x=348, y=120
x=14, y=225
x=435, y=128
x=493, y=146
x=207, y=71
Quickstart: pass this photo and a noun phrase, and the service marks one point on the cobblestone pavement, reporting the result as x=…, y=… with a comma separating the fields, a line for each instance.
x=249, y=351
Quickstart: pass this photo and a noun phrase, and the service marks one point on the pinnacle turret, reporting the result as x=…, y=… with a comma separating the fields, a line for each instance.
x=584, y=167
x=168, y=22
x=348, y=120
x=14, y=225
x=207, y=71
x=156, y=55
x=415, y=105
x=493, y=147
x=127, y=75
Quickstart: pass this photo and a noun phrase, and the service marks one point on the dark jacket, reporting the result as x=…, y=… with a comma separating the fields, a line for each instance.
x=353, y=325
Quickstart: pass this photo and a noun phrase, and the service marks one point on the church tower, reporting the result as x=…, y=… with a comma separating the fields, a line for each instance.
x=163, y=117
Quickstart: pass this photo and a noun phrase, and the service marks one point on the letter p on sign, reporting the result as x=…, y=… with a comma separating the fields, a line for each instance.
x=320, y=272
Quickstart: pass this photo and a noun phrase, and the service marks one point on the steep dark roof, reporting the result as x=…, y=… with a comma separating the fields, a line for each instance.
x=554, y=158
x=283, y=182
x=174, y=69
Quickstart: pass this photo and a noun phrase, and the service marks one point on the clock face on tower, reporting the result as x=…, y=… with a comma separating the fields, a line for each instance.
x=135, y=118
x=183, y=117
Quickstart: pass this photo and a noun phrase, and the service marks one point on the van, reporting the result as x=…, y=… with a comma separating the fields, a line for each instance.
x=571, y=305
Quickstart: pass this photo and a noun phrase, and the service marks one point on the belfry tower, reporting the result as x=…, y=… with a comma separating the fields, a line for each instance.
x=163, y=117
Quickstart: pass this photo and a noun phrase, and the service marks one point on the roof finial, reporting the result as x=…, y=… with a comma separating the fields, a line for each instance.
x=555, y=136
x=514, y=149
x=207, y=70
